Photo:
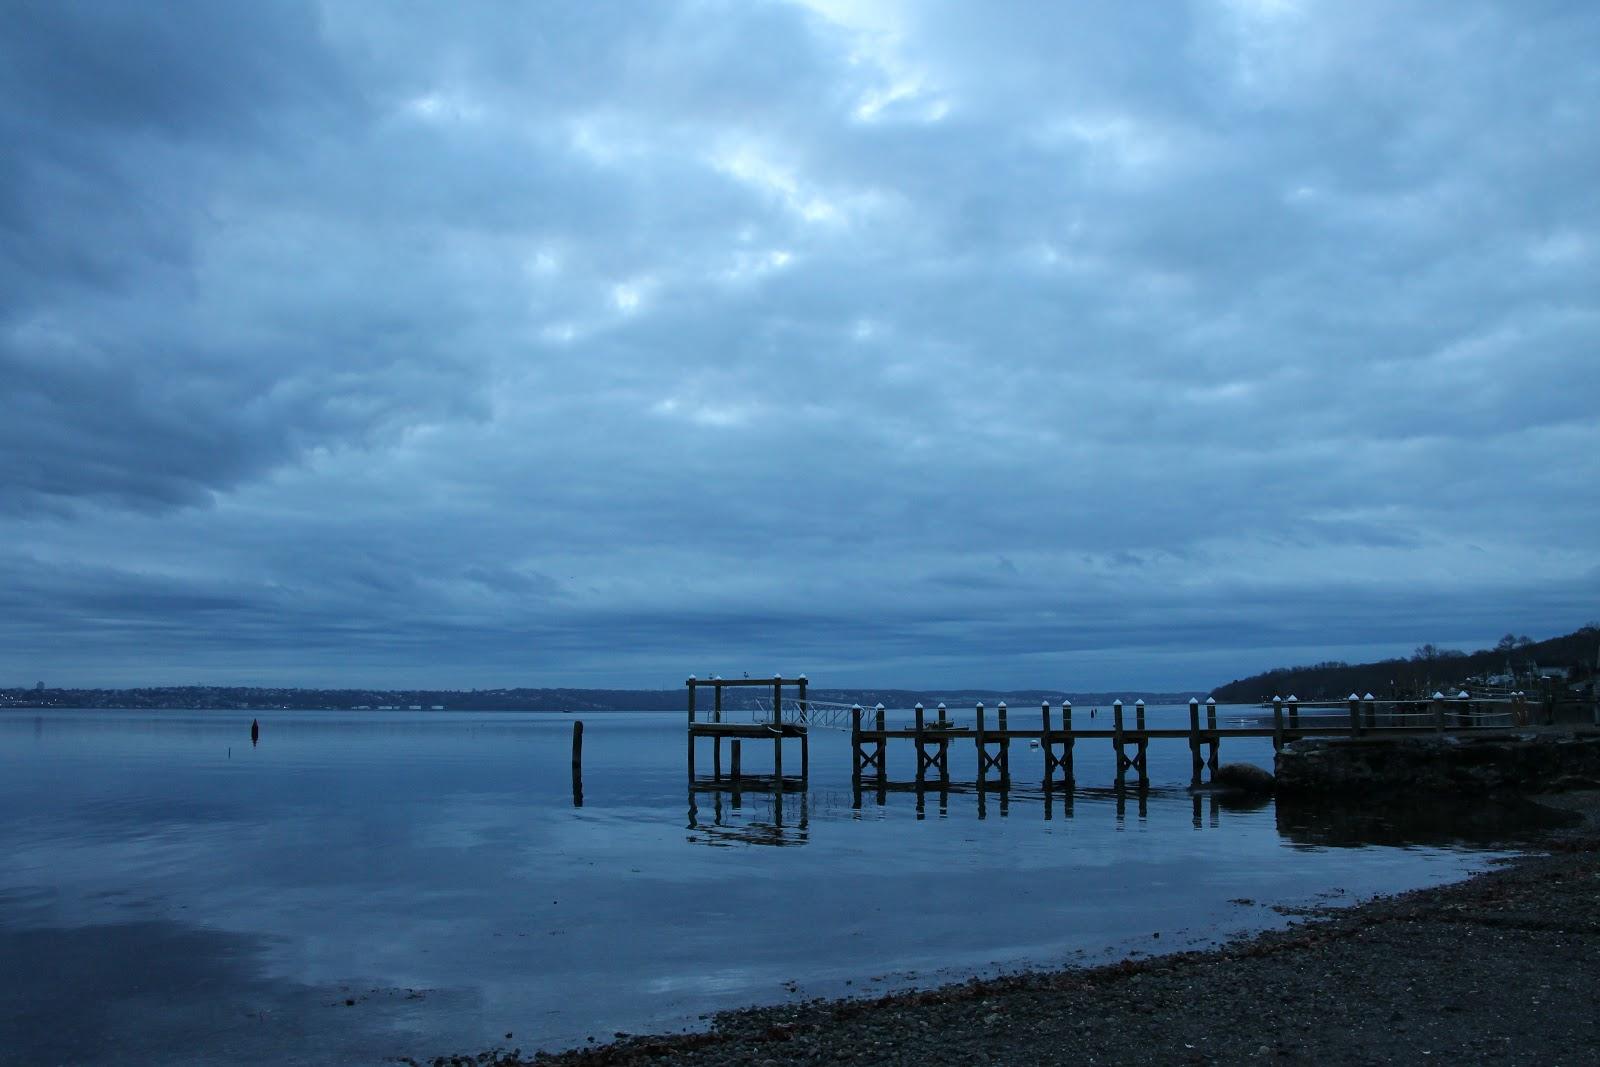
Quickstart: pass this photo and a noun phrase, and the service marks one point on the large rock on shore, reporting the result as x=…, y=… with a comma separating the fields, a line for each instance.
x=1366, y=766
x=1243, y=778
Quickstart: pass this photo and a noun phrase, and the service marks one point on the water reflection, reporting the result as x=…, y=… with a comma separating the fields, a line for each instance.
x=1414, y=821
x=1437, y=822
x=739, y=815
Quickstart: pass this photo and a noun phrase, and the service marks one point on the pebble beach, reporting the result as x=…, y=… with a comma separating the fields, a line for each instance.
x=1503, y=967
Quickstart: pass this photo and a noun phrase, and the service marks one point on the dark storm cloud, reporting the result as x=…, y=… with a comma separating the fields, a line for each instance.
x=506, y=344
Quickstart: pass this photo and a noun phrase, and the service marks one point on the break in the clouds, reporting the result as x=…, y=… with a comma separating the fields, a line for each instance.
x=565, y=343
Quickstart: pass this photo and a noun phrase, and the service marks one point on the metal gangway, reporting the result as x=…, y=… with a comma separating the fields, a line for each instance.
x=824, y=714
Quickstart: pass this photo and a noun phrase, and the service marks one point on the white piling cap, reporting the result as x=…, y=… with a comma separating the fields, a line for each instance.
x=1066, y=703
x=1001, y=704
x=1369, y=696
x=1352, y=696
x=777, y=677
x=918, y=707
x=855, y=707
x=801, y=678
x=1194, y=702
x=1292, y=699
x=1044, y=703
x=879, y=707
x=941, y=703
x=1438, y=695
x=716, y=677
x=980, y=703
x=1463, y=695
x=1211, y=700
x=1138, y=703
x=1117, y=703
x=1276, y=699
x=691, y=677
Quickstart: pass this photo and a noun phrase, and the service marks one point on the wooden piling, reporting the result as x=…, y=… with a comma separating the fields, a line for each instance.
x=734, y=755
x=1355, y=715
x=883, y=747
x=944, y=744
x=1294, y=712
x=1195, y=762
x=1066, y=746
x=577, y=763
x=1141, y=745
x=1216, y=738
x=1116, y=739
x=777, y=729
x=716, y=742
x=983, y=751
x=1437, y=706
x=1049, y=752
x=922, y=754
x=855, y=741
x=1277, y=724
x=691, y=727
x=805, y=755
x=1005, y=746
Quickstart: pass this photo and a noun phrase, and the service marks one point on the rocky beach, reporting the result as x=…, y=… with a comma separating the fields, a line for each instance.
x=1499, y=968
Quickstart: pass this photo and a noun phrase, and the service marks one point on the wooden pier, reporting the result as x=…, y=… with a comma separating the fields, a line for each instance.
x=1356, y=717
x=1057, y=735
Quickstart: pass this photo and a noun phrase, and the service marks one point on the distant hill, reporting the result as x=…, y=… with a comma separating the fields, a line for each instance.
x=1515, y=661
x=256, y=698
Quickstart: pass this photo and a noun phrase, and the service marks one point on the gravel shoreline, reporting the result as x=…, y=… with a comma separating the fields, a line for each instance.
x=1503, y=968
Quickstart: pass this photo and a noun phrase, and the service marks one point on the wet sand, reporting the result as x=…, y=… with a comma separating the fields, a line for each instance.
x=1502, y=968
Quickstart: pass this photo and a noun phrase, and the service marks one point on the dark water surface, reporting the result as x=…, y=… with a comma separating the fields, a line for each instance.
x=171, y=894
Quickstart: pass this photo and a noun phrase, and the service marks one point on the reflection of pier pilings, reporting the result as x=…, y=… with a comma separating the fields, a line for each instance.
x=776, y=817
x=989, y=797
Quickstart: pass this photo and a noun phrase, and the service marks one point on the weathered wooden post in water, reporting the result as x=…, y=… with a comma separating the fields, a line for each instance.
x=1437, y=705
x=1277, y=724
x=1047, y=743
x=716, y=742
x=1142, y=746
x=983, y=750
x=1123, y=762
x=1195, y=762
x=1005, y=747
x=690, y=684
x=944, y=745
x=1216, y=738
x=577, y=763
x=1355, y=715
x=1294, y=712
x=777, y=729
x=922, y=753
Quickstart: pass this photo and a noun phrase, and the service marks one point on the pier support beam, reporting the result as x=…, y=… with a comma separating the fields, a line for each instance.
x=1216, y=738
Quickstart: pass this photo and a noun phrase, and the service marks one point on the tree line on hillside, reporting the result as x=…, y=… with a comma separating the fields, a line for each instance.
x=1514, y=662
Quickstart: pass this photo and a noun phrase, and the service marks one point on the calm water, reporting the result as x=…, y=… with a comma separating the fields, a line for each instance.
x=170, y=893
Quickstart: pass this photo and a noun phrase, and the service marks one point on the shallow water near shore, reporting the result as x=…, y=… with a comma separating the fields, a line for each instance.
x=363, y=885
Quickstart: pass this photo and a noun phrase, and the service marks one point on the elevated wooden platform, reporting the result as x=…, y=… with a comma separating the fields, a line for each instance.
x=775, y=729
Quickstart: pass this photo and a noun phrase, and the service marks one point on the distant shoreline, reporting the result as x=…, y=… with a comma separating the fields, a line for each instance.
x=250, y=698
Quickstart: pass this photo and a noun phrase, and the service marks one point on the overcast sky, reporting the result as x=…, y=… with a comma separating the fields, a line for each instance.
x=1035, y=344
